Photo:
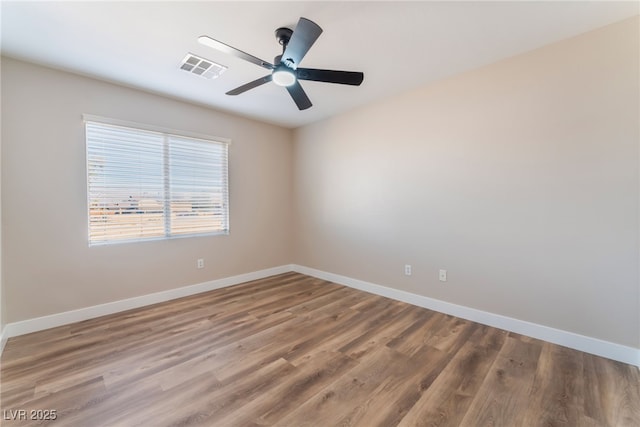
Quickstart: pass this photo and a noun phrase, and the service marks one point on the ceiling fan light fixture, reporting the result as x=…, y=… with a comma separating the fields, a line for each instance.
x=283, y=77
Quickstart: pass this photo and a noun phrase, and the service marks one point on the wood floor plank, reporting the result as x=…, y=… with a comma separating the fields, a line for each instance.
x=335, y=404
x=311, y=376
x=391, y=400
x=341, y=333
x=556, y=389
x=292, y=350
x=200, y=401
x=381, y=333
x=447, y=400
x=412, y=338
x=505, y=392
x=429, y=372
x=612, y=392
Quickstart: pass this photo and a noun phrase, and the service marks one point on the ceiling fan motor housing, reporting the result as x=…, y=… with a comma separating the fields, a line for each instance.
x=284, y=35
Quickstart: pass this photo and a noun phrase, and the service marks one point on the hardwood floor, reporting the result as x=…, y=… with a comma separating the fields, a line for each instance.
x=292, y=350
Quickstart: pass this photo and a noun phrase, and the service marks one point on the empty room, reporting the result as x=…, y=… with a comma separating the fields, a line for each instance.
x=324, y=213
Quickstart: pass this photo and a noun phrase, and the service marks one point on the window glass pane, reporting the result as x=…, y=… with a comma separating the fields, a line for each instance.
x=125, y=174
x=149, y=185
x=198, y=186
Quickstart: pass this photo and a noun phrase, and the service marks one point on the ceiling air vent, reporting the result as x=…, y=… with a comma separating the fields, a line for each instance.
x=201, y=67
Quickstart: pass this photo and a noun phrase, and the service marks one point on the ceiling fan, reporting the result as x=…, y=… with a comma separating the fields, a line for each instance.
x=284, y=70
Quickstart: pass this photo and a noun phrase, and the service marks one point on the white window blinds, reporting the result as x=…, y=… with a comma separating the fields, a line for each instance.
x=146, y=184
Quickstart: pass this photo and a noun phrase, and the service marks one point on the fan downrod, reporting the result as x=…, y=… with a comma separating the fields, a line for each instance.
x=283, y=35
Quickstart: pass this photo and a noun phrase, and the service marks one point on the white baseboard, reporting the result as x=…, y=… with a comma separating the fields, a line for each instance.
x=3, y=339
x=572, y=340
x=59, y=319
x=591, y=345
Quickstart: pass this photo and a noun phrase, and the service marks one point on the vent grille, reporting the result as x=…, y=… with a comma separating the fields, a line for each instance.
x=201, y=67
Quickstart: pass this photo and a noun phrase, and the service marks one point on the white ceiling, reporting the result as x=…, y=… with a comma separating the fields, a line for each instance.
x=398, y=45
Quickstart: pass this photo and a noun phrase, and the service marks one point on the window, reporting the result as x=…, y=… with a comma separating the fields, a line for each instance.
x=146, y=184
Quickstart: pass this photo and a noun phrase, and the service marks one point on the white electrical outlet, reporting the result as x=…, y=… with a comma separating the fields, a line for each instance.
x=200, y=263
x=443, y=275
x=407, y=270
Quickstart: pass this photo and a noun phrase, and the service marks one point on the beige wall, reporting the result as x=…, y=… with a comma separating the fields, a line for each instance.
x=48, y=266
x=519, y=178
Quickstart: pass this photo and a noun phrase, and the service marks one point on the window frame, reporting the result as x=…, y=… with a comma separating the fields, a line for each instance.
x=166, y=134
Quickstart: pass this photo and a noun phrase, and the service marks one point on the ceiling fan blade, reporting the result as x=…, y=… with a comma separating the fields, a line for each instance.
x=250, y=85
x=303, y=37
x=352, y=78
x=215, y=44
x=299, y=96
